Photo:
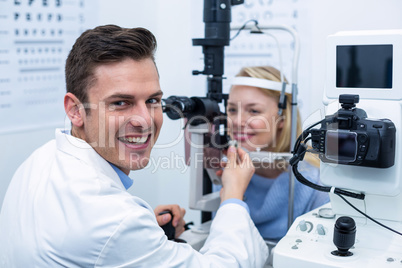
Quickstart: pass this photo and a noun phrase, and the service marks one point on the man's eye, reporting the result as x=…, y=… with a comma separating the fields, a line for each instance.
x=254, y=111
x=154, y=101
x=118, y=104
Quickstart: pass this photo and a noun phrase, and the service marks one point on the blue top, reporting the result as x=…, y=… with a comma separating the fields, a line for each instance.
x=268, y=198
x=127, y=182
x=236, y=201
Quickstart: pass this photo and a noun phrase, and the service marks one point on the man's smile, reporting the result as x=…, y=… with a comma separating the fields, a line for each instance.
x=139, y=142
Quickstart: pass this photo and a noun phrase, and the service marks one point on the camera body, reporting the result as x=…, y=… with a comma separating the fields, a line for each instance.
x=349, y=137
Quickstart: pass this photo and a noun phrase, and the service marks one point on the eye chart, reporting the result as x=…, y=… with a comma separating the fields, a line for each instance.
x=35, y=39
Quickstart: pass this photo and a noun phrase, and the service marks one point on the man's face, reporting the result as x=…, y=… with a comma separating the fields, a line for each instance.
x=125, y=113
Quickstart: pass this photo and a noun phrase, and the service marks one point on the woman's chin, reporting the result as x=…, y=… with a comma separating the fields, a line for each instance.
x=246, y=146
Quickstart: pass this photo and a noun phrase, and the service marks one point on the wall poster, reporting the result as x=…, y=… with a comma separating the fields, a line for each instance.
x=35, y=38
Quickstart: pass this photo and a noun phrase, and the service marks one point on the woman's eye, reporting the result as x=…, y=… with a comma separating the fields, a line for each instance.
x=254, y=111
x=231, y=110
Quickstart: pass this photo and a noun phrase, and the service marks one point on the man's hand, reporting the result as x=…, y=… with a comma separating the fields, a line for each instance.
x=237, y=174
x=178, y=214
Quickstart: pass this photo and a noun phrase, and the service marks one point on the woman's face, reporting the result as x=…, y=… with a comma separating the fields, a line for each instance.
x=253, y=118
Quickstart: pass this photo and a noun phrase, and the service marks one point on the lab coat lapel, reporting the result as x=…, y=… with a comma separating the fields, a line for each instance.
x=80, y=149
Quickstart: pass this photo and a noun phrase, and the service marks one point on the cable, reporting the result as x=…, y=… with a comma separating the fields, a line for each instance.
x=268, y=34
x=282, y=98
x=279, y=51
x=242, y=28
x=367, y=216
x=304, y=135
x=298, y=154
x=299, y=151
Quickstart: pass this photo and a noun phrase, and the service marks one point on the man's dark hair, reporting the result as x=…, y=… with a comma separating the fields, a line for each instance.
x=102, y=45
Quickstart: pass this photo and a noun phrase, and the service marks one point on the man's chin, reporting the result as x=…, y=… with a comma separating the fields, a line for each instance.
x=138, y=162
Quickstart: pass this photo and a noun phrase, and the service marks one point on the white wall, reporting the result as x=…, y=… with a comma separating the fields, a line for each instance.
x=175, y=23
x=17, y=144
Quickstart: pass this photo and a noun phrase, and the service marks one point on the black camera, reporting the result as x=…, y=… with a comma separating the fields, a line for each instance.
x=349, y=137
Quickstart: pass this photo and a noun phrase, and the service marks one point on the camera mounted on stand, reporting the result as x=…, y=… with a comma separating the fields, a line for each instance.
x=348, y=137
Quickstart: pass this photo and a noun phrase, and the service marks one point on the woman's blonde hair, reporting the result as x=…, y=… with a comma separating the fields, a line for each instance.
x=273, y=74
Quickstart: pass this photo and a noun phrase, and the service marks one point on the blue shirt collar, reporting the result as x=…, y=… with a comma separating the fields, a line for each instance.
x=126, y=180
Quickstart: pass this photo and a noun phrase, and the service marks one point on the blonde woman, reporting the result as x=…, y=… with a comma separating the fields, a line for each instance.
x=253, y=121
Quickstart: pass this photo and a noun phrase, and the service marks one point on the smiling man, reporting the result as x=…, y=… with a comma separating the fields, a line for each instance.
x=124, y=113
x=67, y=204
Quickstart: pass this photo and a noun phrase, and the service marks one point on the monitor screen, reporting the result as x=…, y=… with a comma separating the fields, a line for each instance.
x=364, y=66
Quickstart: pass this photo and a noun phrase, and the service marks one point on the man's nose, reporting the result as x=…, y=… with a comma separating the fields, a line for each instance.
x=142, y=116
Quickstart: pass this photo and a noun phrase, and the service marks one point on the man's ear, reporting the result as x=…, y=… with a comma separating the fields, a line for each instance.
x=74, y=109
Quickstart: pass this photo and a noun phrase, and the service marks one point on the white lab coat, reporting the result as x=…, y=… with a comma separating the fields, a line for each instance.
x=66, y=207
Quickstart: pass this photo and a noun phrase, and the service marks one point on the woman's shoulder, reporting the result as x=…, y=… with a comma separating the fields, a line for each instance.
x=309, y=171
x=312, y=174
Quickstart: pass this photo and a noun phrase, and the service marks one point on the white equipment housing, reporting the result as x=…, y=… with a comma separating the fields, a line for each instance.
x=373, y=62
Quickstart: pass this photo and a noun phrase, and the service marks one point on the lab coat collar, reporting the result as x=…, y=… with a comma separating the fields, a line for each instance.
x=80, y=149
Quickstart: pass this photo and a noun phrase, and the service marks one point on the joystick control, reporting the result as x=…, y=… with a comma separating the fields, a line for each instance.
x=344, y=236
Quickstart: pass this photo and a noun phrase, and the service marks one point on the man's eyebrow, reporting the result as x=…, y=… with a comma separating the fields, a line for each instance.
x=157, y=94
x=130, y=97
x=119, y=96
